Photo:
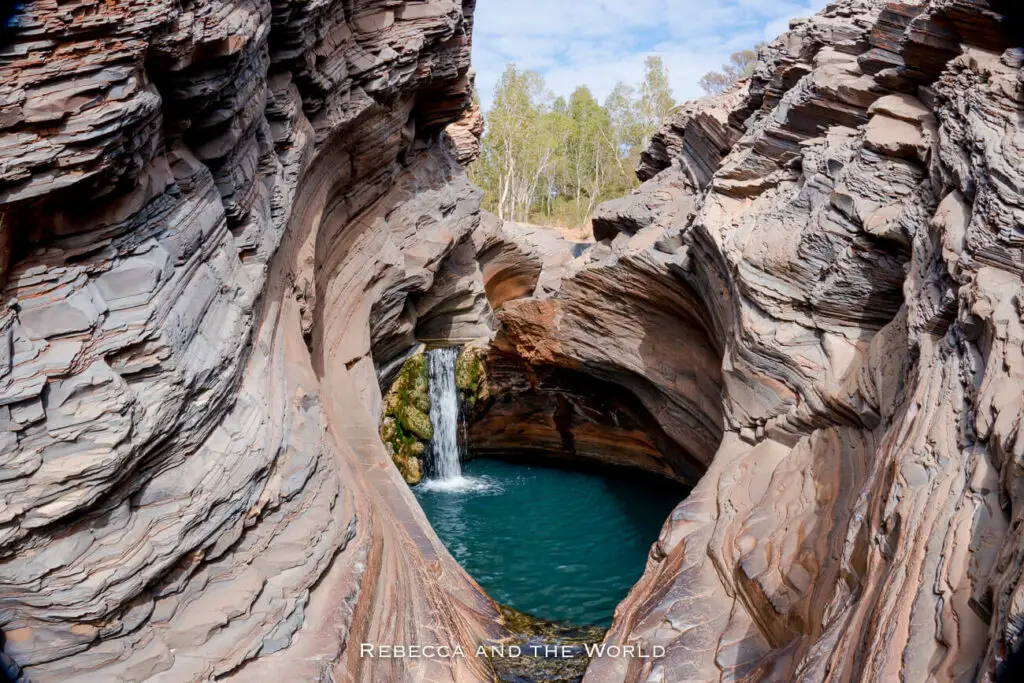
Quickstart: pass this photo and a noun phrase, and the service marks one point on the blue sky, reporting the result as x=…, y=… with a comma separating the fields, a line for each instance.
x=599, y=42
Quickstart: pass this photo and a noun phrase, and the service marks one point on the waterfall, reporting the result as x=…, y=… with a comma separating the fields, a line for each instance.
x=446, y=459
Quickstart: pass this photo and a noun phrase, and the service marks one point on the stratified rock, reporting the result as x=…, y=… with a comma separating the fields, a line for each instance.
x=698, y=135
x=218, y=209
x=224, y=225
x=550, y=413
x=510, y=267
x=464, y=135
x=838, y=258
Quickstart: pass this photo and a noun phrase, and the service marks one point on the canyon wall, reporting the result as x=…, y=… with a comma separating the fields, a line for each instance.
x=212, y=211
x=224, y=224
x=821, y=283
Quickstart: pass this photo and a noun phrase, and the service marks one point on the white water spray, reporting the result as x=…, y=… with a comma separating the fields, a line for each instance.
x=446, y=458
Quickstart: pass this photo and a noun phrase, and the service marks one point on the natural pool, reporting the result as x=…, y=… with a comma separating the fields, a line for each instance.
x=559, y=544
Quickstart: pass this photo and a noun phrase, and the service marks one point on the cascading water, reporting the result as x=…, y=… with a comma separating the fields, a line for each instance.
x=445, y=456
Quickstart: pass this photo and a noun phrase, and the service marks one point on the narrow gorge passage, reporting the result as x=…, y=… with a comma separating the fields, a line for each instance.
x=556, y=529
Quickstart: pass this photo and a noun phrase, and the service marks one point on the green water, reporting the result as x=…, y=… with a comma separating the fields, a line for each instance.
x=558, y=544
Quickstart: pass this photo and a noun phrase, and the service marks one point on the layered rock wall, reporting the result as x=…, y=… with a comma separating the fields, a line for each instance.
x=841, y=236
x=225, y=224
x=211, y=212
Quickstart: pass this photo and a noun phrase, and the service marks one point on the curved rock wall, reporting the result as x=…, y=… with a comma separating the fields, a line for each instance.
x=213, y=210
x=550, y=413
x=224, y=224
x=843, y=231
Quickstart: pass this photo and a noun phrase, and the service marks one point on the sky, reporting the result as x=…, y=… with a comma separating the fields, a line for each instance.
x=600, y=42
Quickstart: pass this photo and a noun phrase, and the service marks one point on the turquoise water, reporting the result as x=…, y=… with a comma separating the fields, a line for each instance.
x=558, y=544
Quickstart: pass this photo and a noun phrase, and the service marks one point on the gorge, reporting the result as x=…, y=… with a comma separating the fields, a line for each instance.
x=227, y=225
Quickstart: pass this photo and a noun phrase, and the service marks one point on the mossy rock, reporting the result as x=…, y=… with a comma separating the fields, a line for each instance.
x=411, y=468
x=405, y=427
x=471, y=376
x=528, y=631
x=415, y=421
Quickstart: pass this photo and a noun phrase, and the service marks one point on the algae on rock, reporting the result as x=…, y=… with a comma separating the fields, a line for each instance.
x=532, y=635
x=405, y=428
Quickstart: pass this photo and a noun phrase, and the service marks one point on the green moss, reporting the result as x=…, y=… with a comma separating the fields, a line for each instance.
x=415, y=421
x=411, y=469
x=471, y=376
x=405, y=427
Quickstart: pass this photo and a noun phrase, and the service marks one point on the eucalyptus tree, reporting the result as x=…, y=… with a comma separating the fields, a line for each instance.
x=518, y=146
x=555, y=158
x=740, y=65
x=655, y=101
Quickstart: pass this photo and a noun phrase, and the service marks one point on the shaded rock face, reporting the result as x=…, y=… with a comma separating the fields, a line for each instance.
x=551, y=413
x=838, y=244
x=628, y=320
x=211, y=212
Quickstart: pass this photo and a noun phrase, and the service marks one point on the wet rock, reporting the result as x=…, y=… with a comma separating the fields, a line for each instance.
x=405, y=428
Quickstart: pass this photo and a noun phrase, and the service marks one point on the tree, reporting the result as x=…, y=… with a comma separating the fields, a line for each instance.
x=518, y=146
x=741, y=65
x=556, y=159
x=655, y=96
x=589, y=153
x=629, y=137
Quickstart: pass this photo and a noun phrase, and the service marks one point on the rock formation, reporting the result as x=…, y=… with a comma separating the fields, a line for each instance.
x=226, y=224
x=840, y=236
x=405, y=427
x=212, y=212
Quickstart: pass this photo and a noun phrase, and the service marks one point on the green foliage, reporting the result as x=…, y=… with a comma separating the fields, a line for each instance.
x=741, y=65
x=548, y=160
x=655, y=101
x=519, y=145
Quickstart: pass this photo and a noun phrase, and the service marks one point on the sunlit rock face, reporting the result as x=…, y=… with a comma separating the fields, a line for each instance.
x=210, y=211
x=818, y=292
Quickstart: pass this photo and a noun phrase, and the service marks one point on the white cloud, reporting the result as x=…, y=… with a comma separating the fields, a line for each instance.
x=599, y=42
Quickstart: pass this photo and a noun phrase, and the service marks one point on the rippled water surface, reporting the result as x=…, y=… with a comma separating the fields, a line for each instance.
x=558, y=544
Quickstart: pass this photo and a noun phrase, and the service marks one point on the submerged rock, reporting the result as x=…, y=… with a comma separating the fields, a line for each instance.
x=541, y=651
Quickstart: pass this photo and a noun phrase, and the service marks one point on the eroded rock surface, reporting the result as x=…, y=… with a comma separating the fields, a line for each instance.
x=835, y=247
x=215, y=210
x=549, y=413
x=225, y=225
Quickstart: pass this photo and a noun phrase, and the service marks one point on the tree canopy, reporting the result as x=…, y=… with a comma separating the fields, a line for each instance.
x=741, y=65
x=552, y=160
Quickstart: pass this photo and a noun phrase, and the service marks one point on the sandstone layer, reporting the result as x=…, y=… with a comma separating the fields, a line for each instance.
x=835, y=246
x=221, y=220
